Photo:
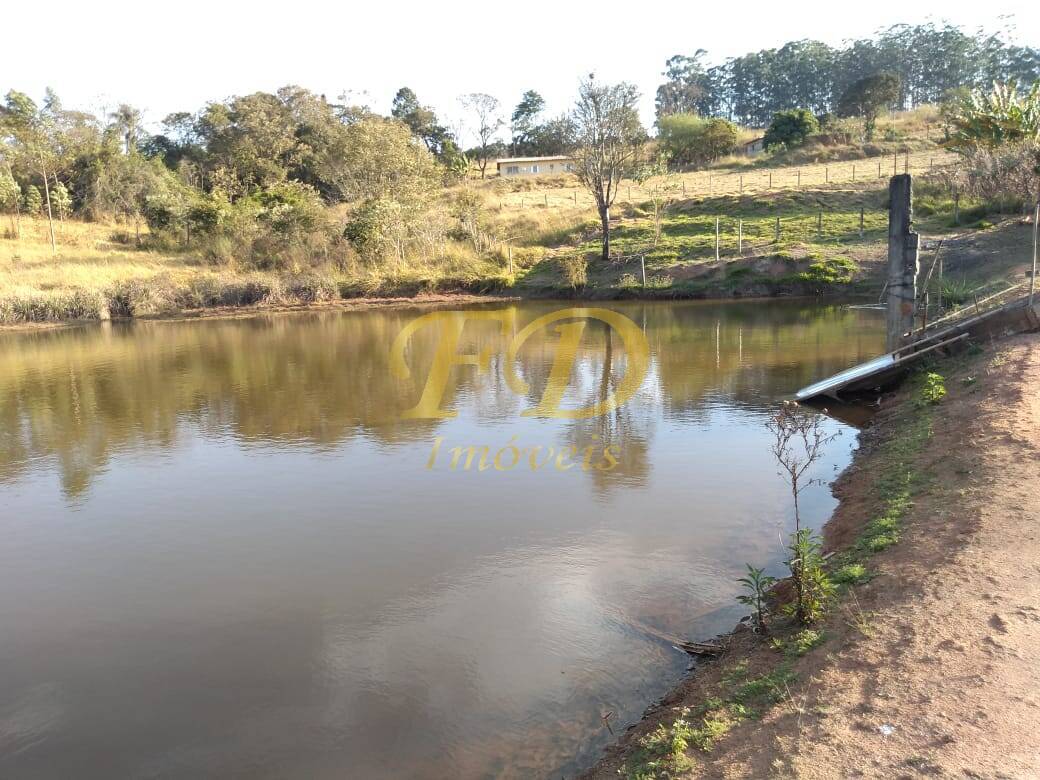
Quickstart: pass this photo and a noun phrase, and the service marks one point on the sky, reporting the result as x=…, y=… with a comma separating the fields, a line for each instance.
x=165, y=57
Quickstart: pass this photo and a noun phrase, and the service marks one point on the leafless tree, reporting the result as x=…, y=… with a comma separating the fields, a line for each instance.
x=608, y=142
x=798, y=442
x=485, y=110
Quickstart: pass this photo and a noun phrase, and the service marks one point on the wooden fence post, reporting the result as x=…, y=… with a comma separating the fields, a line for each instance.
x=861, y=221
x=903, y=262
x=819, y=225
x=777, y=238
x=740, y=236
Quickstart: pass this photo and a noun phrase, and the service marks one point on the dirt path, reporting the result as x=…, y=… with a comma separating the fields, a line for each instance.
x=933, y=667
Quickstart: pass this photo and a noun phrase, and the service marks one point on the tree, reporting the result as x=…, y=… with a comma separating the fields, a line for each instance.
x=524, y=120
x=686, y=88
x=422, y=121
x=484, y=109
x=252, y=138
x=868, y=97
x=799, y=439
x=929, y=60
x=60, y=198
x=32, y=202
x=380, y=158
x=790, y=128
x=608, y=141
x=555, y=136
x=32, y=132
x=687, y=139
x=125, y=185
x=126, y=120
x=10, y=198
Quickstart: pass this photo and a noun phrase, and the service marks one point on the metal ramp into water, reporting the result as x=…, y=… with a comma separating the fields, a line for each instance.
x=969, y=323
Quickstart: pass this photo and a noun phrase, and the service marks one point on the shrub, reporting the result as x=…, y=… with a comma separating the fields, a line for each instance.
x=790, y=128
x=687, y=139
x=933, y=389
x=757, y=584
x=575, y=270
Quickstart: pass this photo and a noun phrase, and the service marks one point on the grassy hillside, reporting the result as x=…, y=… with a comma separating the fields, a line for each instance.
x=535, y=236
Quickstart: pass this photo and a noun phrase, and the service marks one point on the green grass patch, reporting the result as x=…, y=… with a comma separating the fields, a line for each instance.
x=799, y=644
x=896, y=483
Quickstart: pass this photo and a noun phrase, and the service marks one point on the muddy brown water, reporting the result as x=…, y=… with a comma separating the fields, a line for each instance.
x=224, y=553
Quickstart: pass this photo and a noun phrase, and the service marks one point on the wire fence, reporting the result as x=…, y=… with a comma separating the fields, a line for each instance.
x=725, y=238
x=752, y=181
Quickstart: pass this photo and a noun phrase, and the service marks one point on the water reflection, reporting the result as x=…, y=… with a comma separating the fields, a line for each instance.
x=224, y=553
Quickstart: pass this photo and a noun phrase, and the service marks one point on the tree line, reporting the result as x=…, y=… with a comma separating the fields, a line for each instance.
x=929, y=61
x=255, y=175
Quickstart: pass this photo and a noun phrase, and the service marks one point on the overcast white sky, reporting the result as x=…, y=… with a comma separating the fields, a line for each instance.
x=164, y=57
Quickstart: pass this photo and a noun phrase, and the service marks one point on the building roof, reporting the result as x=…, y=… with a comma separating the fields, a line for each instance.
x=532, y=159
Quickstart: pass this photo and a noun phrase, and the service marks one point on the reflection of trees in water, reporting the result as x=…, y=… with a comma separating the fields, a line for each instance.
x=751, y=353
x=81, y=396
x=628, y=428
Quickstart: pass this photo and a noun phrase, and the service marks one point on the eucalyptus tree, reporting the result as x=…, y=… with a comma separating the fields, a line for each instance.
x=929, y=60
x=686, y=87
x=524, y=121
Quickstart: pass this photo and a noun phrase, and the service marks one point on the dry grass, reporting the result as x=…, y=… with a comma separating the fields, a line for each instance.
x=740, y=176
x=98, y=272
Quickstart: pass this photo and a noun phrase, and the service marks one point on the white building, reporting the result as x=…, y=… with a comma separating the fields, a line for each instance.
x=534, y=166
x=754, y=147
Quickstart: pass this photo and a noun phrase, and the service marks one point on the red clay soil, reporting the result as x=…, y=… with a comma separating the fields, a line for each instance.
x=932, y=669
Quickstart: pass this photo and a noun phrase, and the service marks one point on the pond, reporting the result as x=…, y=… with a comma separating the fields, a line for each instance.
x=234, y=547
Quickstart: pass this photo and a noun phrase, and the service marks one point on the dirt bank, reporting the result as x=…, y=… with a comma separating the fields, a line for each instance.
x=424, y=300
x=930, y=664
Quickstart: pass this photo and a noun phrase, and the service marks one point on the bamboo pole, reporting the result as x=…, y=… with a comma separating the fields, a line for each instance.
x=1036, y=236
x=717, y=258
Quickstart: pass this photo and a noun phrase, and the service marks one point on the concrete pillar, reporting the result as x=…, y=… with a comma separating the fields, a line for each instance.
x=903, y=261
